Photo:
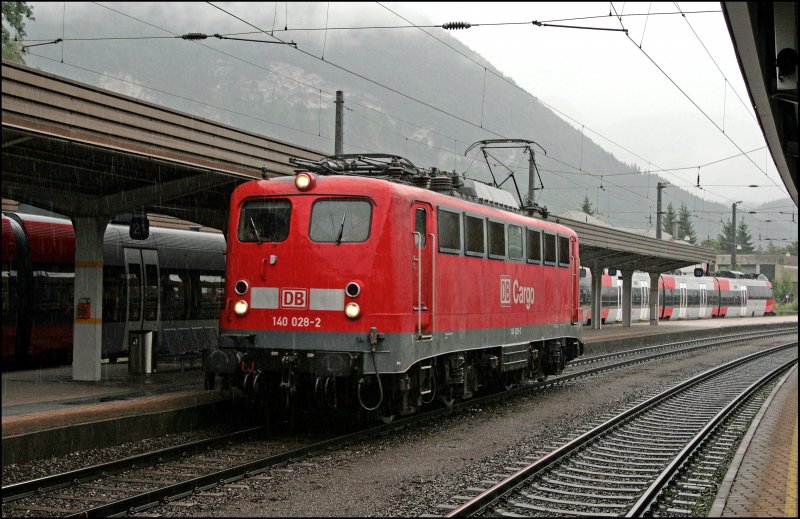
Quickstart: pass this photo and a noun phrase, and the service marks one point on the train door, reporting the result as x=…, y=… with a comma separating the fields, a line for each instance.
x=141, y=268
x=574, y=267
x=423, y=265
x=703, y=302
x=683, y=298
x=644, y=313
x=743, y=309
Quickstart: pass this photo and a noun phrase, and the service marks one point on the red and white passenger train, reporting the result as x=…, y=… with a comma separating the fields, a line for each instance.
x=169, y=284
x=365, y=283
x=724, y=294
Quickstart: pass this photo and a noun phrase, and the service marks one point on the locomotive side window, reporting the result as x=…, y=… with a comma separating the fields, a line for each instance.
x=514, y=242
x=449, y=231
x=474, y=236
x=338, y=221
x=550, y=255
x=264, y=220
x=534, y=250
x=563, y=251
x=497, y=240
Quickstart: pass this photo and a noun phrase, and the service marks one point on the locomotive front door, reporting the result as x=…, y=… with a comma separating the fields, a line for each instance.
x=422, y=268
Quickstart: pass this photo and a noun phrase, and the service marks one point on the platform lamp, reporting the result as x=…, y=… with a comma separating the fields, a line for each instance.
x=733, y=230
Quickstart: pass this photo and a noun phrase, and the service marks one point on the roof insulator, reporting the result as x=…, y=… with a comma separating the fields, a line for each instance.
x=194, y=36
x=456, y=25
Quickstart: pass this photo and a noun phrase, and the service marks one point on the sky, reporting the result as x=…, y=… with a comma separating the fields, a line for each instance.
x=661, y=90
x=668, y=95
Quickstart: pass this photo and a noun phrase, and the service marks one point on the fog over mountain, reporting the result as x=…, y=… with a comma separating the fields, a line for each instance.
x=405, y=93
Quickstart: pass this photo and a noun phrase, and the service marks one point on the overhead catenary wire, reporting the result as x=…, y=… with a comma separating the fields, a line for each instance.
x=413, y=123
x=485, y=69
x=682, y=91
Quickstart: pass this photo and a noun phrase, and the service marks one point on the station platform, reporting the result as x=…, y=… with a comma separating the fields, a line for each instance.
x=46, y=413
x=762, y=479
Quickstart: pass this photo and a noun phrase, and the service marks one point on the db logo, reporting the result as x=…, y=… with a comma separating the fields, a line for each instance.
x=294, y=298
x=505, y=290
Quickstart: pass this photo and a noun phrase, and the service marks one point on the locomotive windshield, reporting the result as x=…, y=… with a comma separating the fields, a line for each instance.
x=340, y=221
x=264, y=220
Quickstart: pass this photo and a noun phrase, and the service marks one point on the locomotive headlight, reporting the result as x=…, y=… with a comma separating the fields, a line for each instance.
x=241, y=307
x=352, y=310
x=304, y=181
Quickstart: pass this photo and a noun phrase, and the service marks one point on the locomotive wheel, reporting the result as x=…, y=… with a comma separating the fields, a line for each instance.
x=387, y=418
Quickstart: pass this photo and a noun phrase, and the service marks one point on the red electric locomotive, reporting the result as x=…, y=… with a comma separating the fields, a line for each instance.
x=366, y=283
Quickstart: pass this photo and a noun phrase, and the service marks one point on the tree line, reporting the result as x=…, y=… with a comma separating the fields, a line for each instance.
x=724, y=241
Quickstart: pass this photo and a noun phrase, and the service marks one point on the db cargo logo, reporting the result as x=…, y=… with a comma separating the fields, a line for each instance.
x=515, y=293
x=294, y=298
x=505, y=291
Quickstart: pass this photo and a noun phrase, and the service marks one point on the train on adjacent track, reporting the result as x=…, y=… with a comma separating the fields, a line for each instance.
x=366, y=284
x=718, y=295
x=170, y=283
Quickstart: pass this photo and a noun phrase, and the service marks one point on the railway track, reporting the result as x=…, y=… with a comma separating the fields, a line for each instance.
x=622, y=466
x=142, y=482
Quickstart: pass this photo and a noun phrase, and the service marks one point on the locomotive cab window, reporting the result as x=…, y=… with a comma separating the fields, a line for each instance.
x=563, y=251
x=264, y=220
x=497, y=240
x=534, y=249
x=449, y=231
x=514, y=242
x=340, y=221
x=550, y=252
x=474, y=242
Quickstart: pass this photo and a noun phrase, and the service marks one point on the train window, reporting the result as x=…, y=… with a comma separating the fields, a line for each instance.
x=449, y=231
x=474, y=242
x=115, y=293
x=550, y=255
x=212, y=295
x=563, y=251
x=151, y=293
x=420, y=228
x=497, y=240
x=534, y=250
x=338, y=221
x=514, y=242
x=176, y=295
x=9, y=293
x=264, y=220
x=135, y=288
x=54, y=289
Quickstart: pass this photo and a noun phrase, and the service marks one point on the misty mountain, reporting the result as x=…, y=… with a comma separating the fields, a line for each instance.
x=405, y=93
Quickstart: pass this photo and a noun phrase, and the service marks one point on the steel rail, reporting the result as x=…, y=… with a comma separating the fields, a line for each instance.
x=23, y=489
x=654, y=491
x=478, y=503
